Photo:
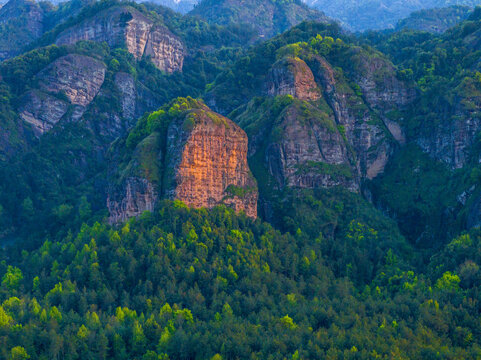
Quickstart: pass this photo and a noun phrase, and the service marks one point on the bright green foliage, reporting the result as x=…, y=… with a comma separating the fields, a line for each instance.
x=448, y=282
x=13, y=278
x=135, y=297
x=19, y=353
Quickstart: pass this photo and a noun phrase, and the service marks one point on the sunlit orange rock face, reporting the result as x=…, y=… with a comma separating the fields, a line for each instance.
x=208, y=154
x=196, y=156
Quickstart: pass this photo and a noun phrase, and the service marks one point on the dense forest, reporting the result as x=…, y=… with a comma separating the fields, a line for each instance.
x=185, y=284
x=356, y=184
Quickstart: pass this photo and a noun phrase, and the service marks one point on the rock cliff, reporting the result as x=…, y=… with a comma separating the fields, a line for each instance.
x=124, y=25
x=321, y=129
x=199, y=157
x=382, y=89
x=138, y=196
x=70, y=82
x=77, y=77
x=451, y=137
x=363, y=129
x=292, y=76
x=73, y=88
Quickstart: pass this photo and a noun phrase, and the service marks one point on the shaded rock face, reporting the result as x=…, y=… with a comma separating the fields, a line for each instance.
x=78, y=77
x=126, y=84
x=165, y=49
x=69, y=86
x=200, y=159
x=70, y=82
x=309, y=153
x=451, y=136
x=210, y=164
x=125, y=25
x=450, y=141
x=136, y=196
x=292, y=76
x=383, y=91
x=42, y=111
x=364, y=132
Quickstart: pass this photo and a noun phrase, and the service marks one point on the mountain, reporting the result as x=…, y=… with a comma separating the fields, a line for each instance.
x=181, y=6
x=70, y=101
x=443, y=123
x=374, y=15
x=435, y=20
x=176, y=188
x=23, y=22
x=268, y=18
x=20, y=22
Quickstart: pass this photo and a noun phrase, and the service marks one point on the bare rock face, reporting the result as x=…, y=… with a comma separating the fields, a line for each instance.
x=208, y=155
x=165, y=49
x=383, y=90
x=200, y=158
x=328, y=132
x=70, y=82
x=126, y=84
x=138, y=196
x=365, y=133
x=309, y=152
x=42, y=111
x=126, y=25
x=451, y=139
x=78, y=77
x=292, y=76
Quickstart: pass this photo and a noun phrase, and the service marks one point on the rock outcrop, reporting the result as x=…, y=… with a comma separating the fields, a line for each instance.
x=452, y=130
x=165, y=50
x=200, y=158
x=308, y=151
x=292, y=76
x=363, y=129
x=42, y=111
x=124, y=25
x=451, y=139
x=138, y=196
x=328, y=131
x=208, y=155
x=70, y=82
x=382, y=89
x=77, y=77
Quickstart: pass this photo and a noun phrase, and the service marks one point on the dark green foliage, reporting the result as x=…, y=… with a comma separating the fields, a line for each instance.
x=414, y=188
x=435, y=20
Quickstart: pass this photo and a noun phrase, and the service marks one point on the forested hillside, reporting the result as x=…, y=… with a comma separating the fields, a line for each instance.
x=180, y=187
x=378, y=14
